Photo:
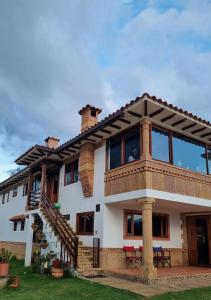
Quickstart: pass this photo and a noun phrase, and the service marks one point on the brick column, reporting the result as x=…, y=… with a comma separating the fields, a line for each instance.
x=145, y=125
x=149, y=272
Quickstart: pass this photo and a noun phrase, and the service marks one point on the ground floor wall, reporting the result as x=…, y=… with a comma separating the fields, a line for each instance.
x=111, y=258
x=17, y=248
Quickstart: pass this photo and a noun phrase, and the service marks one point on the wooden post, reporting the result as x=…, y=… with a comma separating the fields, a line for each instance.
x=149, y=271
x=43, y=178
x=30, y=182
x=145, y=125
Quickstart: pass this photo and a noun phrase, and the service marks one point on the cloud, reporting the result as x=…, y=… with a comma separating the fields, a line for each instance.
x=56, y=56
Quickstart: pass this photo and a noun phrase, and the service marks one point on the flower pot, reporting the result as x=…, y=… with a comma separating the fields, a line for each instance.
x=57, y=273
x=44, y=245
x=4, y=269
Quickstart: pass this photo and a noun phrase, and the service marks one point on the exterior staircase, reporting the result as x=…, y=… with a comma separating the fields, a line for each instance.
x=63, y=241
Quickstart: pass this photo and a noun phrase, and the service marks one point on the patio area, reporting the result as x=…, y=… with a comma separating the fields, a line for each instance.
x=175, y=272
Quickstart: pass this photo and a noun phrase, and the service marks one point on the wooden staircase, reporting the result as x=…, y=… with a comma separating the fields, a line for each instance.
x=66, y=236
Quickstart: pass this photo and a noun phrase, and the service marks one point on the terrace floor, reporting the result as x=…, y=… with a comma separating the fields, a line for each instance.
x=175, y=271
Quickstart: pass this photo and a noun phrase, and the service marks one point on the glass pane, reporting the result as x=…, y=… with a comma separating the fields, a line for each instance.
x=68, y=174
x=129, y=224
x=89, y=223
x=75, y=171
x=156, y=226
x=189, y=154
x=132, y=145
x=160, y=145
x=115, y=152
x=209, y=159
x=137, y=224
x=81, y=224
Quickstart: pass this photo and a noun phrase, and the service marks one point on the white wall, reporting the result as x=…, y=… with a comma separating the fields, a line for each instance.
x=73, y=201
x=15, y=206
x=113, y=231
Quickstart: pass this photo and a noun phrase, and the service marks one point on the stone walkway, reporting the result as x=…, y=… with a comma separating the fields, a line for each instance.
x=155, y=289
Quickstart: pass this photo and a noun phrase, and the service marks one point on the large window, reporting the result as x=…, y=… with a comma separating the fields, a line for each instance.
x=124, y=148
x=85, y=223
x=71, y=172
x=189, y=154
x=133, y=225
x=160, y=144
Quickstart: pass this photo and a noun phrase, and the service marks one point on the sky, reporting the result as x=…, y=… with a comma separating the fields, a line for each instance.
x=58, y=55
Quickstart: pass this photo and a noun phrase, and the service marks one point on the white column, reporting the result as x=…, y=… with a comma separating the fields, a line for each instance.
x=29, y=241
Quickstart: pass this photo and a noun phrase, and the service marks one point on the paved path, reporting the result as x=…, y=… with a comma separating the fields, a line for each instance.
x=152, y=290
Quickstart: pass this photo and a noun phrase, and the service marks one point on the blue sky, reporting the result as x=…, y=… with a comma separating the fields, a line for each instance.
x=58, y=55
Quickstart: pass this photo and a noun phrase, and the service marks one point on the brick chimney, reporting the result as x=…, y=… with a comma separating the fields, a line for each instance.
x=89, y=116
x=52, y=142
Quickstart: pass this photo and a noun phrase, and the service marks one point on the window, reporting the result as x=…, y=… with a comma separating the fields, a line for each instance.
x=133, y=225
x=160, y=144
x=209, y=159
x=5, y=198
x=71, y=172
x=22, y=225
x=15, y=192
x=15, y=224
x=85, y=223
x=25, y=189
x=160, y=225
x=124, y=148
x=189, y=154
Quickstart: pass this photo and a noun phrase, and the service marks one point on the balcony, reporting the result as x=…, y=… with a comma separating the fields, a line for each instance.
x=151, y=174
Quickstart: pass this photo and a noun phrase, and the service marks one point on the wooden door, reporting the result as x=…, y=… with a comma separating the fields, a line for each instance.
x=199, y=240
x=192, y=240
x=52, y=187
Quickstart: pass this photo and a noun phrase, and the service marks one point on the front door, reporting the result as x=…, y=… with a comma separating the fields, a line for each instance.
x=52, y=187
x=199, y=240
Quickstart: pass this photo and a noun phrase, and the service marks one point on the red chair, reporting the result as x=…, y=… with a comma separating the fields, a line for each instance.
x=130, y=255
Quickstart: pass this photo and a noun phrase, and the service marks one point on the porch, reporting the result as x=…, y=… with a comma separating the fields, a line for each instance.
x=179, y=227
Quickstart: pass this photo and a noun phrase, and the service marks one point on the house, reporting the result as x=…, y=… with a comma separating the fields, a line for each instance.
x=138, y=177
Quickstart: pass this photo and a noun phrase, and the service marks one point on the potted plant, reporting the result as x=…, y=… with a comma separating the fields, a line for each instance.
x=44, y=244
x=40, y=235
x=57, y=269
x=5, y=258
x=35, y=227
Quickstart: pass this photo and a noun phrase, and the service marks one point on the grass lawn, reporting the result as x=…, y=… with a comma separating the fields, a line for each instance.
x=41, y=287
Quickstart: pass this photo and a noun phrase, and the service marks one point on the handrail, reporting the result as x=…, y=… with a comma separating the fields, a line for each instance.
x=67, y=237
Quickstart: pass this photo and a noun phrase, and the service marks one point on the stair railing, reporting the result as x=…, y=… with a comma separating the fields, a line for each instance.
x=67, y=237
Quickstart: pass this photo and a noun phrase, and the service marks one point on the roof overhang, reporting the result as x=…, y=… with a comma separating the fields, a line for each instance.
x=14, y=179
x=18, y=218
x=34, y=153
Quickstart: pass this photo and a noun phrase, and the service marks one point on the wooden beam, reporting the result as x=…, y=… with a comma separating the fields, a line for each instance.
x=198, y=130
x=106, y=131
x=206, y=134
x=70, y=150
x=134, y=114
x=145, y=108
x=65, y=153
x=168, y=117
x=90, y=140
x=157, y=112
x=178, y=122
x=75, y=147
x=124, y=121
x=115, y=126
x=97, y=136
x=189, y=126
